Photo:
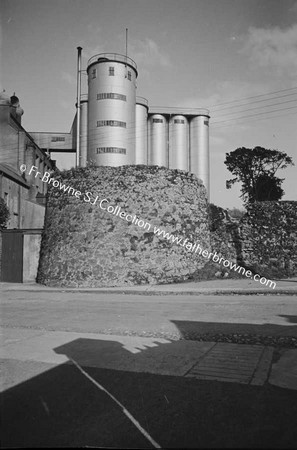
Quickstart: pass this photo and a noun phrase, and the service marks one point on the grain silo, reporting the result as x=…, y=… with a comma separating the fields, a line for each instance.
x=111, y=109
x=158, y=154
x=199, y=148
x=179, y=142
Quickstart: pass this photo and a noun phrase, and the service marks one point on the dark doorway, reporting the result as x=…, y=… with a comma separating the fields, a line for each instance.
x=12, y=257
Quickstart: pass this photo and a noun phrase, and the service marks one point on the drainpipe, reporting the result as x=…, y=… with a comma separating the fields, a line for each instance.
x=19, y=189
x=79, y=49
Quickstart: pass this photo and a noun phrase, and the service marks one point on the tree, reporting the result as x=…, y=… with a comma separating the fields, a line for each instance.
x=268, y=188
x=255, y=169
x=4, y=213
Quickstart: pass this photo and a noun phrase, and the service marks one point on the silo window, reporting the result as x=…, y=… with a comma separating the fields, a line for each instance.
x=157, y=120
x=129, y=75
x=94, y=73
x=179, y=121
x=111, y=95
x=111, y=150
x=206, y=122
x=111, y=71
x=58, y=139
x=111, y=123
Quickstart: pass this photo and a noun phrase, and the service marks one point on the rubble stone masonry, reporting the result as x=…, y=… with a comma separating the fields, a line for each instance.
x=104, y=234
x=84, y=245
x=268, y=235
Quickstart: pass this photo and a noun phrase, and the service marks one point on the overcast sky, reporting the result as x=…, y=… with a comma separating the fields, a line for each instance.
x=236, y=57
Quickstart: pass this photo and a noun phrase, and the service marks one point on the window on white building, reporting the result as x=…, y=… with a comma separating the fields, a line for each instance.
x=111, y=123
x=111, y=95
x=111, y=150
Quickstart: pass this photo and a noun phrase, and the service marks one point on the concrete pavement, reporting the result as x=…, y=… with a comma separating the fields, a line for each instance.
x=31, y=352
x=62, y=351
x=36, y=322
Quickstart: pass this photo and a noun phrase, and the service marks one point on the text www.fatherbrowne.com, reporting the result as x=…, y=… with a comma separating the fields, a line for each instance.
x=88, y=197
x=195, y=248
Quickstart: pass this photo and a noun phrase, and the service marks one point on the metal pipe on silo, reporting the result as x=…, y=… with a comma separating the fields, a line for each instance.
x=141, y=136
x=83, y=130
x=79, y=49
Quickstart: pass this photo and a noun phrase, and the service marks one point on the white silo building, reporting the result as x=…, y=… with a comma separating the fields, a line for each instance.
x=178, y=142
x=199, y=148
x=111, y=109
x=158, y=140
x=179, y=139
x=119, y=128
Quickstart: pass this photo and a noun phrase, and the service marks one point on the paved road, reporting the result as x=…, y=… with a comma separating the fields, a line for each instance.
x=170, y=314
x=65, y=384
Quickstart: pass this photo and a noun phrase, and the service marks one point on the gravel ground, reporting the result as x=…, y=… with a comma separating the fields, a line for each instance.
x=272, y=341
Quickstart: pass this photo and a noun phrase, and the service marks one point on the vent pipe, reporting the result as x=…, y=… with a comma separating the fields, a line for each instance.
x=79, y=49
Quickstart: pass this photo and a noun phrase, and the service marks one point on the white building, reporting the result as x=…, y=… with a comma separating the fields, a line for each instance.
x=118, y=128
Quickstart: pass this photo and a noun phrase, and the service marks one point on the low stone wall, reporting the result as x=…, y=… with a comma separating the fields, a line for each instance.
x=223, y=242
x=86, y=246
x=268, y=237
x=264, y=240
x=223, y=233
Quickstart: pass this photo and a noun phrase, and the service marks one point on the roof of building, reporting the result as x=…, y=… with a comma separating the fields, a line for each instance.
x=4, y=98
x=10, y=172
x=19, y=126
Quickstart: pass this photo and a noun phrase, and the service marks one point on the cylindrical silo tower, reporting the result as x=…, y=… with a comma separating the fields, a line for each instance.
x=199, y=148
x=83, y=130
x=158, y=154
x=111, y=109
x=179, y=143
x=141, y=136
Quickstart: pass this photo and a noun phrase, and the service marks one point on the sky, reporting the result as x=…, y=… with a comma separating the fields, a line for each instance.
x=237, y=58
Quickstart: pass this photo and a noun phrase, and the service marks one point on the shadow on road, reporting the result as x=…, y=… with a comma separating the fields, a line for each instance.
x=191, y=329
x=63, y=408
x=290, y=318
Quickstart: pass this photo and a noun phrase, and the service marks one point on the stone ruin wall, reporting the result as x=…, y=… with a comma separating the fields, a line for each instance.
x=268, y=234
x=264, y=240
x=84, y=246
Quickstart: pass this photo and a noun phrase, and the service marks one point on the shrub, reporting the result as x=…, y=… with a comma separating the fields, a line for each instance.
x=216, y=216
x=4, y=213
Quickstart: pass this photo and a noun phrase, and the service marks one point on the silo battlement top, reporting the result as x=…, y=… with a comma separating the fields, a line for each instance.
x=174, y=111
x=83, y=98
x=142, y=101
x=112, y=57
